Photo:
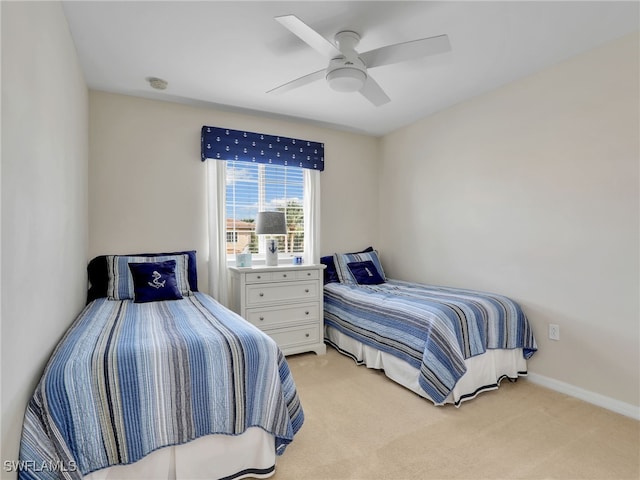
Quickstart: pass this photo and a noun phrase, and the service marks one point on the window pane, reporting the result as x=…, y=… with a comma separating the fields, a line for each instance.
x=252, y=188
x=242, y=206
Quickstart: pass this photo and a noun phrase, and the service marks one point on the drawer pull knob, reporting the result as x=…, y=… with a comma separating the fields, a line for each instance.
x=306, y=290
x=261, y=294
x=306, y=335
x=284, y=275
x=308, y=274
x=261, y=319
x=259, y=277
x=306, y=313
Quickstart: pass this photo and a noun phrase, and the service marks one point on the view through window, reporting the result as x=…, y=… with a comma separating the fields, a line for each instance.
x=252, y=188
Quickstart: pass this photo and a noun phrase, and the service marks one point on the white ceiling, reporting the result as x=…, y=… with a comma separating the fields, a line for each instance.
x=229, y=54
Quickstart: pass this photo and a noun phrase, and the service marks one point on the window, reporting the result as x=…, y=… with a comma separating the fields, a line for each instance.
x=253, y=187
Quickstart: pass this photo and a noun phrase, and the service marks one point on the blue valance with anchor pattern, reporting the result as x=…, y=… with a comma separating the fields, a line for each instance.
x=226, y=144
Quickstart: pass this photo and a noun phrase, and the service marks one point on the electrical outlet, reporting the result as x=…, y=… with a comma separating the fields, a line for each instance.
x=554, y=331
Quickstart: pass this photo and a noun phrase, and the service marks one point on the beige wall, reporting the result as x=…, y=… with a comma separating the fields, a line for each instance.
x=147, y=185
x=532, y=191
x=44, y=200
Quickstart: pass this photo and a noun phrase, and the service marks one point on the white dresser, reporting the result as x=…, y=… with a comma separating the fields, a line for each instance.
x=284, y=301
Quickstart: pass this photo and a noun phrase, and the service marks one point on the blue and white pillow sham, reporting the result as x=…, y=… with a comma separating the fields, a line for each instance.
x=342, y=261
x=121, y=286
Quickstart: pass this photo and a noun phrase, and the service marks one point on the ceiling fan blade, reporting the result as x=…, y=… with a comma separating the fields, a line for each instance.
x=309, y=35
x=406, y=51
x=299, y=82
x=374, y=93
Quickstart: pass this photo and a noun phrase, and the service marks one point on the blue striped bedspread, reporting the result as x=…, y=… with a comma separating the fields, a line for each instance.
x=129, y=378
x=432, y=328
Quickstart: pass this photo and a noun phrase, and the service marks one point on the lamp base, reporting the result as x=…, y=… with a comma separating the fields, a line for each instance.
x=271, y=259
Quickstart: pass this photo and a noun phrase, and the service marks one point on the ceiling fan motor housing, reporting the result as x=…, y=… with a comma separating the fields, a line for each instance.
x=347, y=73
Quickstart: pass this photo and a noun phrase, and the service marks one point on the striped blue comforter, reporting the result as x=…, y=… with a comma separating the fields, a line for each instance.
x=129, y=378
x=434, y=329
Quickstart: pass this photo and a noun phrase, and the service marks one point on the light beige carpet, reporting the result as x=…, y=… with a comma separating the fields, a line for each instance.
x=361, y=425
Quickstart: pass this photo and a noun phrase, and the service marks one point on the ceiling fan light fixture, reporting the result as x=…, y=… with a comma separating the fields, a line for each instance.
x=346, y=79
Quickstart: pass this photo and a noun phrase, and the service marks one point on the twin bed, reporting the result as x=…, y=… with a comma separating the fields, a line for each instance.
x=152, y=363
x=445, y=344
x=157, y=380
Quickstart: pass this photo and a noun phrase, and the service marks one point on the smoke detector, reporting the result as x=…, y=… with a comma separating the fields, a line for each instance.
x=157, y=83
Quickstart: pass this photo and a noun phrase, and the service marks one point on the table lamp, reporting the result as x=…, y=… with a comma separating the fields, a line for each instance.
x=271, y=223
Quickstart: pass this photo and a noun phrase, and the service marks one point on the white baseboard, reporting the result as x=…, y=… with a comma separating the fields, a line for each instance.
x=609, y=403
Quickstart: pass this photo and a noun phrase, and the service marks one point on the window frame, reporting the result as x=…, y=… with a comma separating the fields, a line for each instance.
x=264, y=179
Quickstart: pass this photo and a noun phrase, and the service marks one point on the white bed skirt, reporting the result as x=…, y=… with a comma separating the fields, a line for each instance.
x=484, y=372
x=250, y=455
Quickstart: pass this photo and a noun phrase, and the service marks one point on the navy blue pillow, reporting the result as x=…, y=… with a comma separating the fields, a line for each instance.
x=156, y=281
x=330, y=273
x=365, y=273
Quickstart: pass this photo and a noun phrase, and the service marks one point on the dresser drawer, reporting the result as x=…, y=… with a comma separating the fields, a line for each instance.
x=254, y=277
x=284, y=276
x=308, y=275
x=266, y=317
x=295, y=336
x=262, y=294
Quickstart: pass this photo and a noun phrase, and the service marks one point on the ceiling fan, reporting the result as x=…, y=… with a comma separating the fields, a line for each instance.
x=348, y=70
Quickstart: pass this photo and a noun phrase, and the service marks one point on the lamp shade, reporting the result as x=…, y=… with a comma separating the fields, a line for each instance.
x=271, y=223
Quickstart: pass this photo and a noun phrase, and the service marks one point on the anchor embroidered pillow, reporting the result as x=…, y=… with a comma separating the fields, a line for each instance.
x=156, y=281
x=365, y=273
x=345, y=274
